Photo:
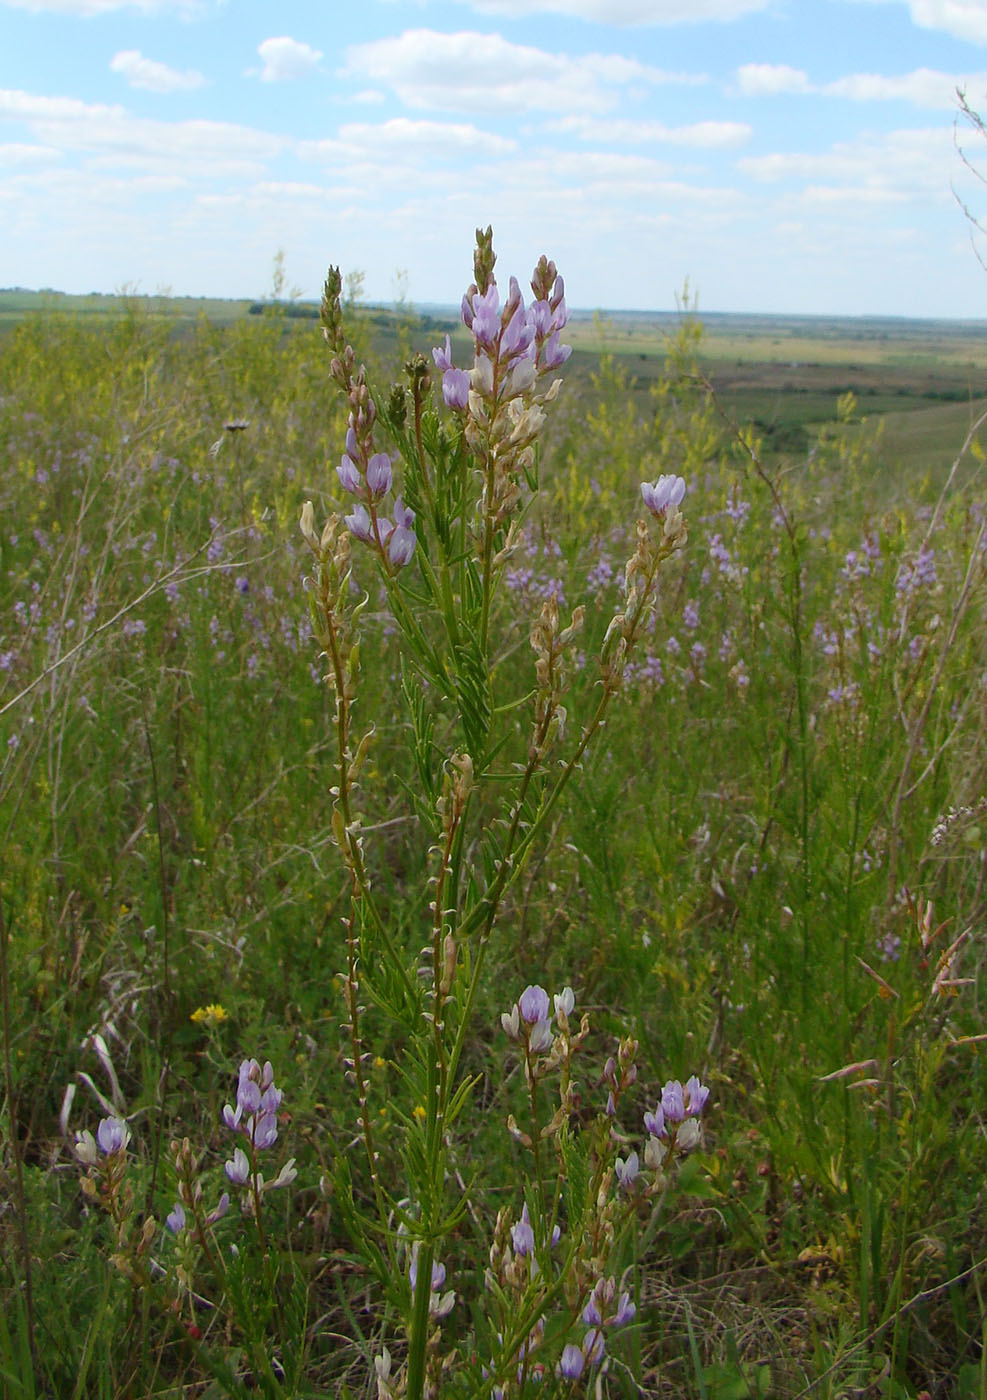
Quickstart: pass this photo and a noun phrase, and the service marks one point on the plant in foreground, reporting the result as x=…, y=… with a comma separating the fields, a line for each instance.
x=436, y=485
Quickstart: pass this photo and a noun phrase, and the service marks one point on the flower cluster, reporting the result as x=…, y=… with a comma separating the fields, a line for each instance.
x=600, y=1312
x=370, y=479
x=674, y=1121
x=513, y=348
x=530, y=1018
x=363, y=471
x=255, y=1117
x=440, y=1304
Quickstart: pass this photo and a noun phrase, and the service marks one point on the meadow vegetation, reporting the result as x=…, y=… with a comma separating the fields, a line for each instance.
x=732, y=812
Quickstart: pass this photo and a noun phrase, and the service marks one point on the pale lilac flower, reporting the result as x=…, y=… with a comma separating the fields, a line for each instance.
x=655, y=1123
x=571, y=1362
x=695, y=1095
x=175, y=1219
x=593, y=1346
x=565, y=1001
x=360, y=524
x=673, y=1102
x=626, y=1171
x=379, y=475
x=456, y=387
x=485, y=321
x=625, y=1311
x=401, y=545
x=443, y=358
x=112, y=1135
x=522, y=1235
x=349, y=475
x=222, y=1206
x=238, y=1168
x=534, y=1005
x=667, y=491
x=554, y=352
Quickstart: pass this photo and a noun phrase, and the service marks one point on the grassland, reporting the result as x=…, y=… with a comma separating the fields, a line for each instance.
x=767, y=869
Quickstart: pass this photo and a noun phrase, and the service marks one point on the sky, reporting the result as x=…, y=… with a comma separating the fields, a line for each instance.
x=776, y=156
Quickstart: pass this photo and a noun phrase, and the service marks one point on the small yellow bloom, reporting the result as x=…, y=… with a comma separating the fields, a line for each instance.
x=419, y=1111
x=211, y=1015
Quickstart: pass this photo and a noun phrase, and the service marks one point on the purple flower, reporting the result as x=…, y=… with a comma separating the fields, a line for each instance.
x=175, y=1219
x=349, y=475
x=556, y=353
x=485, y=323
x=625, y=1311
x=379, y=475
x=360, y=524
x=593, y=1346
x=456, y=387
x=522, y=1235
x=665, y=492
x=673, y=1102
x=534, y=1005
x=443, y=358
x=112, y=1135
x=696, y=1095
x=238, y=1168
x=571, y=1362
x=655, y=1123
x=401, y=545
x=257, y=1101
x=626, y=1172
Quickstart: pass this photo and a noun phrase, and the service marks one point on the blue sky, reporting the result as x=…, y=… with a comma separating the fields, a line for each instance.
x=781, y=155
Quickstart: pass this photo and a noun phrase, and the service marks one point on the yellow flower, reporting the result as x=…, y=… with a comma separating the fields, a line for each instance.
x=211, y=1015
x=419, y=1111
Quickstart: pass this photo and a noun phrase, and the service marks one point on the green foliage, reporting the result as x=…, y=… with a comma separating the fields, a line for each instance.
x=752, y=826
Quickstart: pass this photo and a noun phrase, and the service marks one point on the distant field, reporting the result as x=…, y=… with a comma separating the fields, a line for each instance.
x=784, y=374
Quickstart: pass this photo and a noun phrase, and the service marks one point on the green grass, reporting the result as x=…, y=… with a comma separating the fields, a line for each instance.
x=750, y=829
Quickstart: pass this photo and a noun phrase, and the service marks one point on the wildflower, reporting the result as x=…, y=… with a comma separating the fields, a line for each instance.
x=257, y=1102
x=666, y=492
x=571, y=1363
x=213, y=1014
x=175, y=1219
x=522, y=1235
x=238, y=1168
x=626, y=1171
x=112, y=1135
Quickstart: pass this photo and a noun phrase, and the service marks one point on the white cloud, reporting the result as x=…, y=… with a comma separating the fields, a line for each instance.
x=964, y=19
x=769, y=79
x=14, y=154
x=484, y=72
x=402, y=137
x=86, y=9
x=286, y=58
x=704, y=135
x=626, y=13
x=111, y=137
x=141, y=72
x=923, y=87
x=887, y=167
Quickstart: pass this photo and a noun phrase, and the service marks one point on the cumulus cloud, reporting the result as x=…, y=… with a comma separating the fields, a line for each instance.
x=401, y=138
x=286, y=58
x=888, y=167
x=141, y=72
x=923, y=87
x=770, y=79
x=484, y=72
x=86, y=9
x=964, y=19
x=709, y=135
x=111, y=137
x=626, y=13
